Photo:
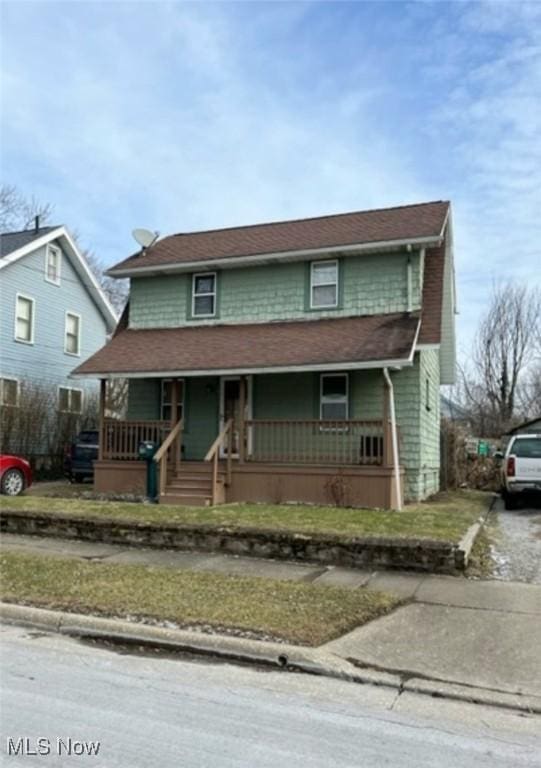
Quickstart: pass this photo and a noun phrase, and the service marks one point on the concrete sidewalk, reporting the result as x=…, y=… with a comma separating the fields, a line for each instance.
x=460, y=638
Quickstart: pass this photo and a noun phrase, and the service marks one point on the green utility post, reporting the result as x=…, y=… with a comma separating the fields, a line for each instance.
x=146, y=451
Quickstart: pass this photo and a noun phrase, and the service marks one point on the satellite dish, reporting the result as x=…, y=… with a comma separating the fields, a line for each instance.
x=145, y=237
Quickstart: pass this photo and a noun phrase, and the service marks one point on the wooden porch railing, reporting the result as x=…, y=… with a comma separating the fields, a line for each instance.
x=120, y=439
x=317, y=442
x=173, y=439
x=225, y=437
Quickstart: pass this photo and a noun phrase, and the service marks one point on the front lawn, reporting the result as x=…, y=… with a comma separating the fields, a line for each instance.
x=445, y=517
x=296, y=612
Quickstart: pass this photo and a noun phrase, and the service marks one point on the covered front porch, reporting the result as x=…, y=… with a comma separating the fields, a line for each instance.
x=322, y=437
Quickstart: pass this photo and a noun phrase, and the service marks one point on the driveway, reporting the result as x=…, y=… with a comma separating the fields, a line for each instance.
x=516, y=544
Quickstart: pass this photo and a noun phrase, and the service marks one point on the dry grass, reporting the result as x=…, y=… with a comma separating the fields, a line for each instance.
x=293, y=611
x=444, y=517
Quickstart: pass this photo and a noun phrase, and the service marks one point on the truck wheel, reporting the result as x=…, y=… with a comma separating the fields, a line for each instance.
x=510, y=501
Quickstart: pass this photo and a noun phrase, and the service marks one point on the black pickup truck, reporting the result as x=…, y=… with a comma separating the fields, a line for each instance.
x=80, y=456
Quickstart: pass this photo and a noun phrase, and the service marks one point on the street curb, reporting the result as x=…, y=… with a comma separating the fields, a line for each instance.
x=278, y=655
x=465, y=545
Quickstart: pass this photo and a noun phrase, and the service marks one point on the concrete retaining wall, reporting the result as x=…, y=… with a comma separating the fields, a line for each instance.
x=420, y=554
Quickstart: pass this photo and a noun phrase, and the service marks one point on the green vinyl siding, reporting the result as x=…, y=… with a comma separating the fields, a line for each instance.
x=368, y=284
x=144, y=397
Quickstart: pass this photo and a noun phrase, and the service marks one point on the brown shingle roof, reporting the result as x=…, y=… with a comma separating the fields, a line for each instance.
x=430, y=332
x=386, y=224
x=224, y=348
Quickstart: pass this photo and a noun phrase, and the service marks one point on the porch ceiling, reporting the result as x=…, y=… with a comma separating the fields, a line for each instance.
x=357, y=342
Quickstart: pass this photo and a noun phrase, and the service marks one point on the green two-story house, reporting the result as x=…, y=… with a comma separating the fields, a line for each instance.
x=291, y=361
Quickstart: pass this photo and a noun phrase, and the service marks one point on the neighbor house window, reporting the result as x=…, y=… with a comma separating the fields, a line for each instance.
x=334, y=396
x=9, y=392
x=323, y=284
x=72, y=338
x=53, y=256
x=24, y=319
x=204, y=295
x=167, y=399
x=70, y=400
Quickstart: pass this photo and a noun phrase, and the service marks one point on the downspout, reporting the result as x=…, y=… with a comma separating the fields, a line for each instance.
x=394, y=439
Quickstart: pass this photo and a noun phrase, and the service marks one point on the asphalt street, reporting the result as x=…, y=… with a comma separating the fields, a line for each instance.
x=149, y=711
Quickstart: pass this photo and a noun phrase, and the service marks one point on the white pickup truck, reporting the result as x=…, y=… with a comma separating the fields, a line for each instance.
x=521, y=468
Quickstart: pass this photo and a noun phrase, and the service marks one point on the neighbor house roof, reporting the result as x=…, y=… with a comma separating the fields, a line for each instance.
x=12, y=241
x=423, y=222
x=356, y=342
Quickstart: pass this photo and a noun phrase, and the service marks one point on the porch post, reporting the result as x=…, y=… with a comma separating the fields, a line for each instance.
x=101, y=424
x=242, y=407
x=175, y=391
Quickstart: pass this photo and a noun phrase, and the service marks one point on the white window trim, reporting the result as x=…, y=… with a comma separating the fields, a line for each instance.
x=162, y=404
x=50, y=247
x=209, y=293
x=324, y=285
x=9, y=378
x=71, y=389
x=33, y=320
x=79, y=335
x=327, y=376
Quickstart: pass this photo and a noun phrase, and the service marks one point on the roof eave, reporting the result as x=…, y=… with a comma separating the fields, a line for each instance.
x=294, y=255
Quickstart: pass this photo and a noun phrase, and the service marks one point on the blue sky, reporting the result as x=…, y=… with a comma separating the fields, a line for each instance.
x=181, y=116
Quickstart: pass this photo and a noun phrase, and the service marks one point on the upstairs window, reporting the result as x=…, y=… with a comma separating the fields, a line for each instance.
x=9, y=392
x=24, y=319
x=204, y=295
x=72, y=337
x=334, y=396
x=323, y=284
x=70, y=400
x=167, y=399
x=53, y=257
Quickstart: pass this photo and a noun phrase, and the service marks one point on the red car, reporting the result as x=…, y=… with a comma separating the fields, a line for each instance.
x=15, y=475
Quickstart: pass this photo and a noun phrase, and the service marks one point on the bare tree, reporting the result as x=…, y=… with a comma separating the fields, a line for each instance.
x=505, y=353
x=19, y=212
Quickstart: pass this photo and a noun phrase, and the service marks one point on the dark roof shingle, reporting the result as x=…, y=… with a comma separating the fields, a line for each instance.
x=423, y=220
x=371, y=338
x=12, y=241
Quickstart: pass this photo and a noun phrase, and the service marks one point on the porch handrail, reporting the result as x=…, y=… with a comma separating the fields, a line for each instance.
x=160, y=457
x=316, y=441
x=213, y=453
x=120, y=438
x=162, y=450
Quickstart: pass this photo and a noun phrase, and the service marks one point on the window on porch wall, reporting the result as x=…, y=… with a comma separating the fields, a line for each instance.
x=167, y=399
x=333, y=397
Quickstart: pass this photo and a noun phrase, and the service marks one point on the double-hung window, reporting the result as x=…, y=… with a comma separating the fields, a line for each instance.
x=167, y=399
x=70, y=400
x=334, y=397
x=204, y=295
x=72, y=335
x=24, y=319
x=53, y=257
x=323, y=284
x=9, y=392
